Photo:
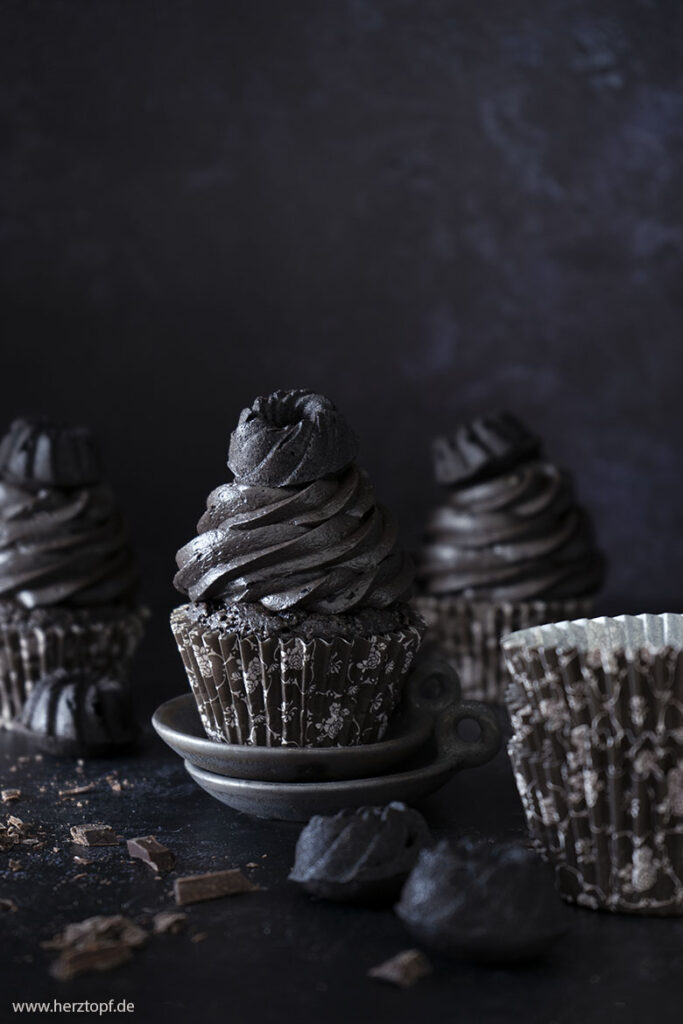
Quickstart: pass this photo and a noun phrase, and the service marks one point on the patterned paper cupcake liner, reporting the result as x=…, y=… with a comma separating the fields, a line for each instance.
x=597, y=750
x=468, y=634
x=29, y=653
x=293, y=692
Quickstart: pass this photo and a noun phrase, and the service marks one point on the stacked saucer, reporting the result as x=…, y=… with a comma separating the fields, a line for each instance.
x=419, y=753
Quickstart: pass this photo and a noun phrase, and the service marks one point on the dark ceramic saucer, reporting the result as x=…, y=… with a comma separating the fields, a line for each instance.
x=428, y=770
x=432, y=687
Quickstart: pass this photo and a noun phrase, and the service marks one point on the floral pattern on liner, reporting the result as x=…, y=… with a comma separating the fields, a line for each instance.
x=294, y=692
x=26, y=655
x=597, y=752
x=468, y=634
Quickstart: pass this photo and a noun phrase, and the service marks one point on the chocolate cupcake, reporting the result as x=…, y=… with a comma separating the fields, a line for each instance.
x=296, y=632
x=597, y=749
x=67, y=575
x=509, y=547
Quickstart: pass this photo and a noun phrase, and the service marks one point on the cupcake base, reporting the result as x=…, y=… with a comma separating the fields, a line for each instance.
x=36, y=643
x=286, y=689
x=597, y=751
x=468, y=634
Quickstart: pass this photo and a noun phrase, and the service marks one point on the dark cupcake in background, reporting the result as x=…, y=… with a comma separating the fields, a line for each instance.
x=68, y=580
x=296, y=631
x=509, y=547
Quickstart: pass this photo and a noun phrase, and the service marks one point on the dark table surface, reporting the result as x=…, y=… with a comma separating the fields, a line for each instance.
x=278, y=955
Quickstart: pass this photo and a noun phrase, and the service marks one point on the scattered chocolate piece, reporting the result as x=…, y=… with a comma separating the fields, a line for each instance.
x=96, y=944
x=359, y=856
x=14, y=865
x=483, y=900
x=404, y=969
x=195, y=888
x=96, y=834
x=151, y=852
x=17, y=833
x=78, y=790
x=81, y=874
x=7, y=795
x=7, y=905
x=114, y=784
x=81, y=860
x=199, y=936
x=252, y=864
x=169, y=922
x=71, y=963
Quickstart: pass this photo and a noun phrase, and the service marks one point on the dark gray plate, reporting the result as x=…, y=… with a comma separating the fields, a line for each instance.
x=433, y=686
x=433, y=766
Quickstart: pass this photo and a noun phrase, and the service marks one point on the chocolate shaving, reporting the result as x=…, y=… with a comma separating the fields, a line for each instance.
x=78, y=790
x=403, y=970
x=169, y=922
x=211, y=886
x=151, y=852
x=96, y=944
x=96, y=834
x=7, y=905
x=7, y=795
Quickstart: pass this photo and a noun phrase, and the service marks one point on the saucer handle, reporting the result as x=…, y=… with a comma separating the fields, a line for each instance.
x=462, y=753
x=433, y=686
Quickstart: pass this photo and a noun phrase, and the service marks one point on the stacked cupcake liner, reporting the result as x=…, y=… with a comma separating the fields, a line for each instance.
x=468, y=634
x=29, y=654
x=597, y=751
x=293, y=692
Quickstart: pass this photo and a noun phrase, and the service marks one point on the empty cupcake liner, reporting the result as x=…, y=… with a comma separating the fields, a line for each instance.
x=597, y=751
x=29, y=653
x=468, y=634
x=292, y=692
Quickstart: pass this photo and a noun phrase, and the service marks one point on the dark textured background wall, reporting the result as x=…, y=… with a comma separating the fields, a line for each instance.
x=426, y=209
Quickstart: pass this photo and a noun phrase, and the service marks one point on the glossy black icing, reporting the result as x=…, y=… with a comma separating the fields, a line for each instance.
x=288, y=438
x=483, y=900
x=360, y=856
x=78, y=714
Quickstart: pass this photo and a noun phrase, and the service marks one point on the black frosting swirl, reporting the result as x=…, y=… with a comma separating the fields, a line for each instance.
x=59, y=545
x=289, y=438
x=35, y=453
x=483, y=448
x=325, y=546
x=519, y=535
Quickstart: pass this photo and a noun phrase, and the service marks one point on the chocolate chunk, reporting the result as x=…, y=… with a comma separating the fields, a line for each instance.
x=480, y=900
x=73, y=962
x=7, y=795
x=169, y=922
x=7, y=905
x=360, y=856
x=94, y=835
x=194, y=888
x=96, y=944
x=402, y=970
x=147, y=849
